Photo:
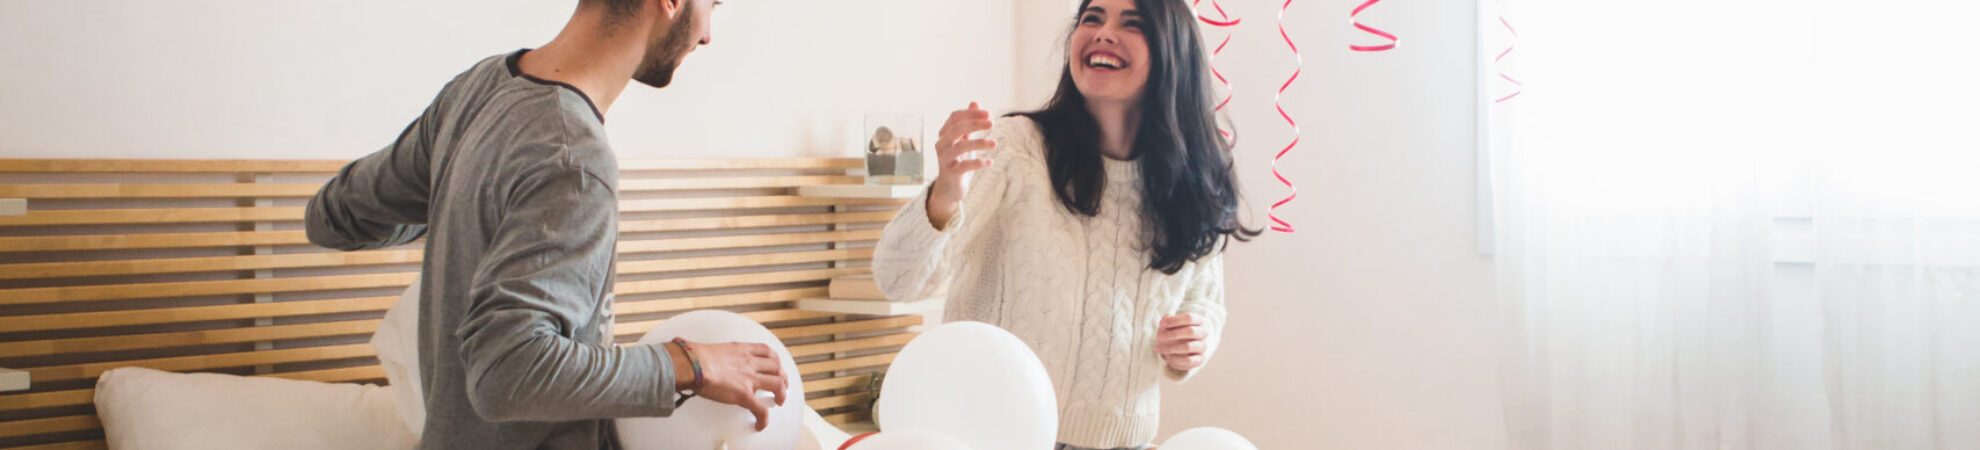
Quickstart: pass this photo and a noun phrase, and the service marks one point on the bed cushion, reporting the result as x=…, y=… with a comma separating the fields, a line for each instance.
x=397, y=344
x=145, y=409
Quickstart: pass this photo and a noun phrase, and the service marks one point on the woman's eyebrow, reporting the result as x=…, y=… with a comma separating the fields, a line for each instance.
x=1103, y=11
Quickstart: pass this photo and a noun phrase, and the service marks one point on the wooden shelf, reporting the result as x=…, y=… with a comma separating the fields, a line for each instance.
x=861, y=190
x=13, y=206
x=869, y=307
x=13, y=380
x=859, y=428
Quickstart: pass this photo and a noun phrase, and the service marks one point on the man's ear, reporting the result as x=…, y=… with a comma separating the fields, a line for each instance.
x=668, y=8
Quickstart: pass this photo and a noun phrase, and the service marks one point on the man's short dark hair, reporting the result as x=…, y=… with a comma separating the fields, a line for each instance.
x=616, y=11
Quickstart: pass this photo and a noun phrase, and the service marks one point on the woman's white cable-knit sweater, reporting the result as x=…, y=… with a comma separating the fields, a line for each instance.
x=1077, y=289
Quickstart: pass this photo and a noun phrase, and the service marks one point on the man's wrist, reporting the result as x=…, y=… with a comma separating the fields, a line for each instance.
x=683, y=368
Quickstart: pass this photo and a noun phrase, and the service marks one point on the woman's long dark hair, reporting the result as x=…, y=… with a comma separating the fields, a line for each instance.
x=1190, y=199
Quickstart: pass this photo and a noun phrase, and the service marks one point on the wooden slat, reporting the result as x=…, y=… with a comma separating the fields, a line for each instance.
x=625, y=308
x=831, y=365
x=706, y=183
x=833, y=384
x=186, y=338
x=733, y=203
x=739, y=222
x=736, y=261
x=639, y=328
x=204, y=362
x=741, y=164
x=298, y=190
x=723, y=281
x=168, y=166
x=196, y=288
x=206, y=264
x=151, y=241
x=331, y=166
x=784, y=315
x=100, y=319
x=325, y=283
x=164, y=190
x=298, y=237
x=78, y=445
x=32, y=427
x=155, y=216
x=295, y=213
x=49, y=399
x=847, y=418
x=360, y=373
x=746, y=241
x=847, y=327
x=826, y=348
x=857, y=398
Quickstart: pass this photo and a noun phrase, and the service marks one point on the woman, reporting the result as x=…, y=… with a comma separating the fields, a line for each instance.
x=1093, y=228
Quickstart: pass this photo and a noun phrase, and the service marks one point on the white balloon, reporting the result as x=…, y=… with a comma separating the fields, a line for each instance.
x=702, y=424
x=973, y=382
x=1207, y=438
x=822, y=434
x=908, y=440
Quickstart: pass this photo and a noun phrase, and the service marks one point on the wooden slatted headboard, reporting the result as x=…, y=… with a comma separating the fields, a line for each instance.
x=203, y=266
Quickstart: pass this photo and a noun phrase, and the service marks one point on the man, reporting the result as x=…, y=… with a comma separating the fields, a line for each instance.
x=509, y=177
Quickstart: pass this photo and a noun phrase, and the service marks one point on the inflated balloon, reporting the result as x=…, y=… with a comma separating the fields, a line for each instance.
x=973, y=382
x=909, y=440
x=855, y=440
x=1207, y=438
x=823, y=435
x=702, y=424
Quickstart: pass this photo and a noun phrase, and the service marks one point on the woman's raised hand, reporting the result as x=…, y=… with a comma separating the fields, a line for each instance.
x=957, y=155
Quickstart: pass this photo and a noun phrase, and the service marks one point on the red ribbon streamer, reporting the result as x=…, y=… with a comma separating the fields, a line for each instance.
x=1278, y=224
x=1224, y=20
x=1393, y=40
x=1498, y=64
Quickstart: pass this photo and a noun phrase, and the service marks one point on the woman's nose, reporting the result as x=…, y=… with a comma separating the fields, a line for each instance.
x=1105, y=35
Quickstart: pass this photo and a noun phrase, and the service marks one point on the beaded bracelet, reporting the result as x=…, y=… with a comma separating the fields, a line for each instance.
x=695, y=387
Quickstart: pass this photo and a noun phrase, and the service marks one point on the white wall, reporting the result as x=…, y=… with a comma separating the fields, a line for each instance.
x=1040, y=42
x=262, y=79
x=1371, y=327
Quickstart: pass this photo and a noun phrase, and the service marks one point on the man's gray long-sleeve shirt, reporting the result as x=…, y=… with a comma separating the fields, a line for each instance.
x=512, y=183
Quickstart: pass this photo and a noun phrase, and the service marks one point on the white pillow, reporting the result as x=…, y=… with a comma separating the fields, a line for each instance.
x=145, y=409
x=397, y=344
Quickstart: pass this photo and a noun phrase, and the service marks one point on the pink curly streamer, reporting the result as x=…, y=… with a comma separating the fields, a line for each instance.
x=1224, y=20
x=1498, y=64
x=1393, y=40
x=1279, y=224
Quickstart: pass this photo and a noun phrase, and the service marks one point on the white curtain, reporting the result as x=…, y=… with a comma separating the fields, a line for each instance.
x=1737, y=224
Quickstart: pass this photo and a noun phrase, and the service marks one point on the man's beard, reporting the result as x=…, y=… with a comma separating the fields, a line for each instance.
x=664, y=55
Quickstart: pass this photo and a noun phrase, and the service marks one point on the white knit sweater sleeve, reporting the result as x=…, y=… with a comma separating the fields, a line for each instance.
x=1204, y=298
x=913, y=258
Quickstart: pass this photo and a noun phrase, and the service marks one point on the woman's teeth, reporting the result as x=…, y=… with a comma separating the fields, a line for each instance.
x=1105, y=62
